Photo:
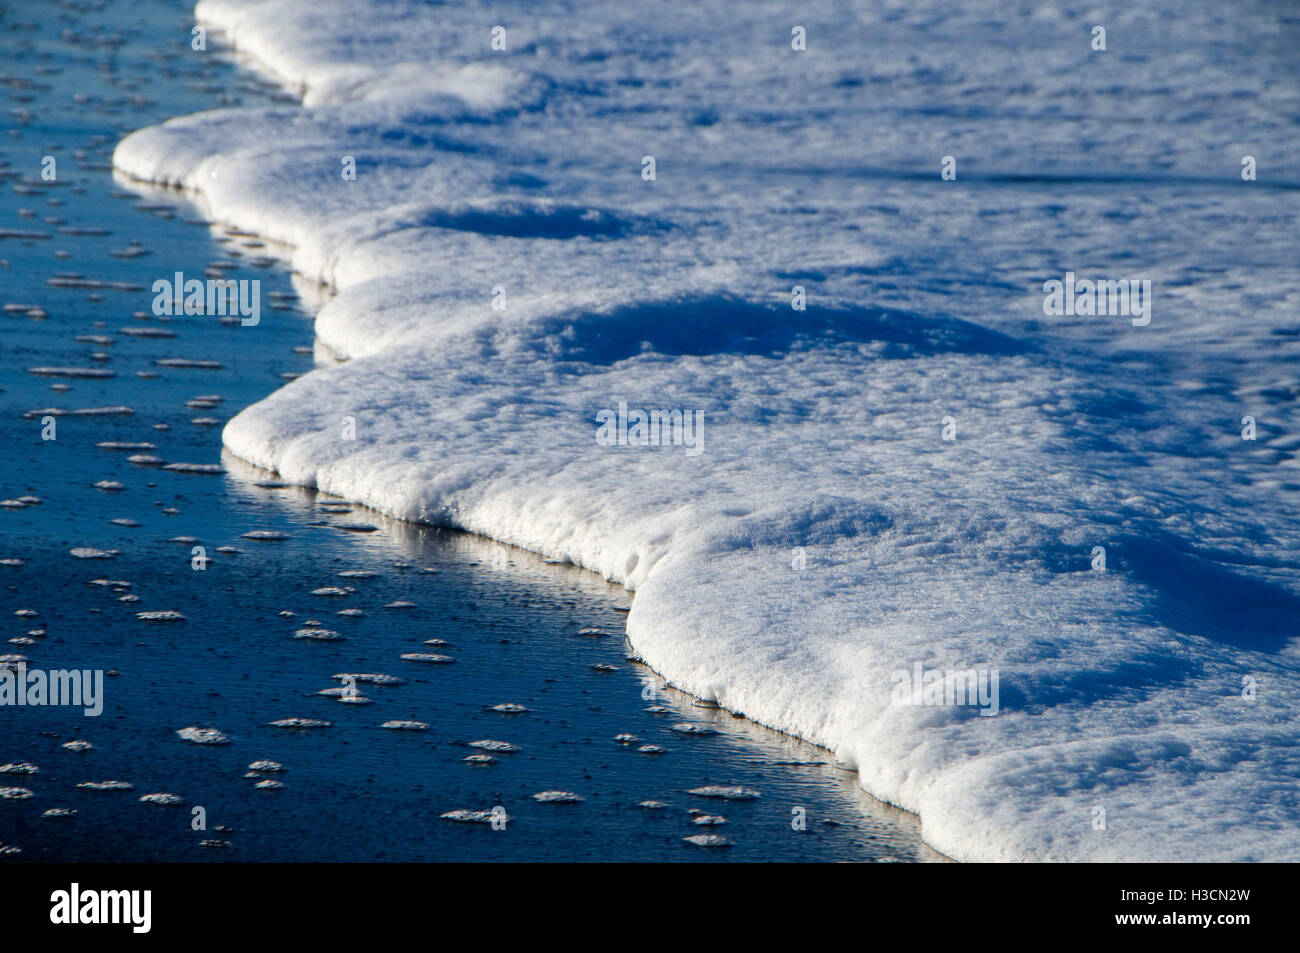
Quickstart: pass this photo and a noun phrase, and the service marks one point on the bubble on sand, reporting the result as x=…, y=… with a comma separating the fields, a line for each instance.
x=687, y=728
x=82, y=372
x=79, y=412
x=203, y=736
x=209, y=468
x=707, y=840
x=188, y=362
x=371, y=678
x=463, y=816
x=106, y=785
x=89, y=552
x=730, y=792
x=318, y=635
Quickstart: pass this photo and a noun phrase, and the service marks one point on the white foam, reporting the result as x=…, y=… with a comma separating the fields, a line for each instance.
x=1120, y=690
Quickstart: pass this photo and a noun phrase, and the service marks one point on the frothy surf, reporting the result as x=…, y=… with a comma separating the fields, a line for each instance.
x=908, y=462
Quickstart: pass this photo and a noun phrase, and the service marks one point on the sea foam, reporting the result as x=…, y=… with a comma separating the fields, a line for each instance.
x=916, y=469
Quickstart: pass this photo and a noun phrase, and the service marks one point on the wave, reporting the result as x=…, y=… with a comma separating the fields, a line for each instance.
x=904, y=467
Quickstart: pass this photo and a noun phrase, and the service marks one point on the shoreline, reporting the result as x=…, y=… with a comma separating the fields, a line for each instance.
x=331, y=289
x=722, y=618
x=222, y=648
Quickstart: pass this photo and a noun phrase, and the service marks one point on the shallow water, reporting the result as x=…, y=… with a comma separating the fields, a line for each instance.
x=77, y=77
